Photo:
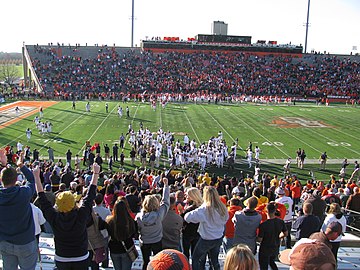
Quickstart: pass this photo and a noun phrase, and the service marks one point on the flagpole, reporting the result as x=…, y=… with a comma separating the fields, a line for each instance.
x=132, y=23
x=307, y=26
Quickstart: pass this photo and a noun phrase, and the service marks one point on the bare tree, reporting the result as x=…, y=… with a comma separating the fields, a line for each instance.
x=9, y=74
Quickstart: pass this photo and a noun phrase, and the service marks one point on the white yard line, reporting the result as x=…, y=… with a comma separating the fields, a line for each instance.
x=14, y=140
x=102, y=122
x=160, y=109
x=231, y=137
x=287, y=132
x=331, y=140
x=132, y=121
x=342, y=110
x=62, y=131
x=197, y=137
x=257, y=132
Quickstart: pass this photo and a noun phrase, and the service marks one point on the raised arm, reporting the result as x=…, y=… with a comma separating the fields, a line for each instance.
x=39, y=187
x=165, y=202
x=3, y=158
x=28, y=174
x=95, y=175
x=87, y=201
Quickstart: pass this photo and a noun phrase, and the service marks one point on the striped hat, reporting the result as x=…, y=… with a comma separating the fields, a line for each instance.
x=169, y=259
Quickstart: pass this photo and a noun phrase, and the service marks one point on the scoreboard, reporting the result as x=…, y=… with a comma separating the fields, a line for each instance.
x=223, y=39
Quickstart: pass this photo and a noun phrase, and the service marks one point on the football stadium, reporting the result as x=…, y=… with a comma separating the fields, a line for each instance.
x=212, y=152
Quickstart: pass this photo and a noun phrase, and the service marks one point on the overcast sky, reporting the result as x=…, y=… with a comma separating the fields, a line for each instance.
x=334, y=24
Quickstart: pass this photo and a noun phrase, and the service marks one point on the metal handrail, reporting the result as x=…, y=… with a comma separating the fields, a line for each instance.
x=28, y=59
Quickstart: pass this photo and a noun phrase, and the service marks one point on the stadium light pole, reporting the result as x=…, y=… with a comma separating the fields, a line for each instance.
x=307, y=25
x=132, y=23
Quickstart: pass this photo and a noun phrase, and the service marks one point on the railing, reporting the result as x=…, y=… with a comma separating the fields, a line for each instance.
x=355, y=216
x=33, y=73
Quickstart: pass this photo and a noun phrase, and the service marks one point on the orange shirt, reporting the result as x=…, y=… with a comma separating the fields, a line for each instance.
x=325, y=192
x=229, y=227
x=295, y=192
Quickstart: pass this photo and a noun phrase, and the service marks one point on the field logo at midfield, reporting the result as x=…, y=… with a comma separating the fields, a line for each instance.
x=296, y=122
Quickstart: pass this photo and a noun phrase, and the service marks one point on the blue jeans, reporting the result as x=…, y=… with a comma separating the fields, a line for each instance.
x=24, y=256
x=121, y=261
x=227, y=243
x=203, y=247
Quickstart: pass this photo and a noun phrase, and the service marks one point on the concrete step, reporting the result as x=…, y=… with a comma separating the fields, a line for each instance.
x=348, y=256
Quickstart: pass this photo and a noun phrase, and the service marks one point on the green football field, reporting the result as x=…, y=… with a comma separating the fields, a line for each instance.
x=278, y=130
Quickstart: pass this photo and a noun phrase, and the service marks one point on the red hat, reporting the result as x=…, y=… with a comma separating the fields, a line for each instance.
x=169, y=259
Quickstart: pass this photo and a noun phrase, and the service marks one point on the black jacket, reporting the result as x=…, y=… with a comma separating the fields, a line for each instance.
x=70, y=235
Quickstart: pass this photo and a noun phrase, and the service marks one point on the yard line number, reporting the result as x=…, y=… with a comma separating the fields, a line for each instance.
x=272, y=143
x=339, y=144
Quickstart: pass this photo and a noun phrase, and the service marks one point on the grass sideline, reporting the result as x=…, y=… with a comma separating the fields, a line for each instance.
x=277, y=130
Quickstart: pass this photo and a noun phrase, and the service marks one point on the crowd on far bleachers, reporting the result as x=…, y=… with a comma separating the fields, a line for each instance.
x=225, y=73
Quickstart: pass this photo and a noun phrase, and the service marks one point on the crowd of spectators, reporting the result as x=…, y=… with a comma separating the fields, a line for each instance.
x=207, y=211
x=225, y=73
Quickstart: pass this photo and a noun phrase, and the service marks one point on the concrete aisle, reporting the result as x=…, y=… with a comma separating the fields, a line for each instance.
x=348, y=257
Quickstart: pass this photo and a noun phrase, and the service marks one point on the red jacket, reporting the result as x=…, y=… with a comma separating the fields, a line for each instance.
x=295, y=191
x=281, y=211
x=230, y=230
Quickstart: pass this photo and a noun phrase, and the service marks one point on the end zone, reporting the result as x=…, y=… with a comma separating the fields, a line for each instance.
x=27, y=108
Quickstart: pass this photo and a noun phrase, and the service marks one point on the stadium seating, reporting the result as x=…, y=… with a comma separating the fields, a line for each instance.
x=114, y=69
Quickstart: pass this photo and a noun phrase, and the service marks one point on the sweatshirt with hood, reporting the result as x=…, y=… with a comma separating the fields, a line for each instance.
x=16, y=219
x=211, y=227
x=246, y=223
x=339, y=218
x=150, y=224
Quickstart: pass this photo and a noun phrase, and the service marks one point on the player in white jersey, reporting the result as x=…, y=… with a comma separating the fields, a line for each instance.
x=132, y=138
x=28, y=134
x=169, y=151
x=257, y=153
x=202, y=160
x=17, y=110
x=190, y=157
x=36, y=120
x=49, y=127
x=219, y=159
x=186, y=139
x=120, y=111
x=192, y=144
x=249, y=157
x=225, y=151
x=87, y=107
x=43, y=128
x=19, y=146
x=177, y=160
